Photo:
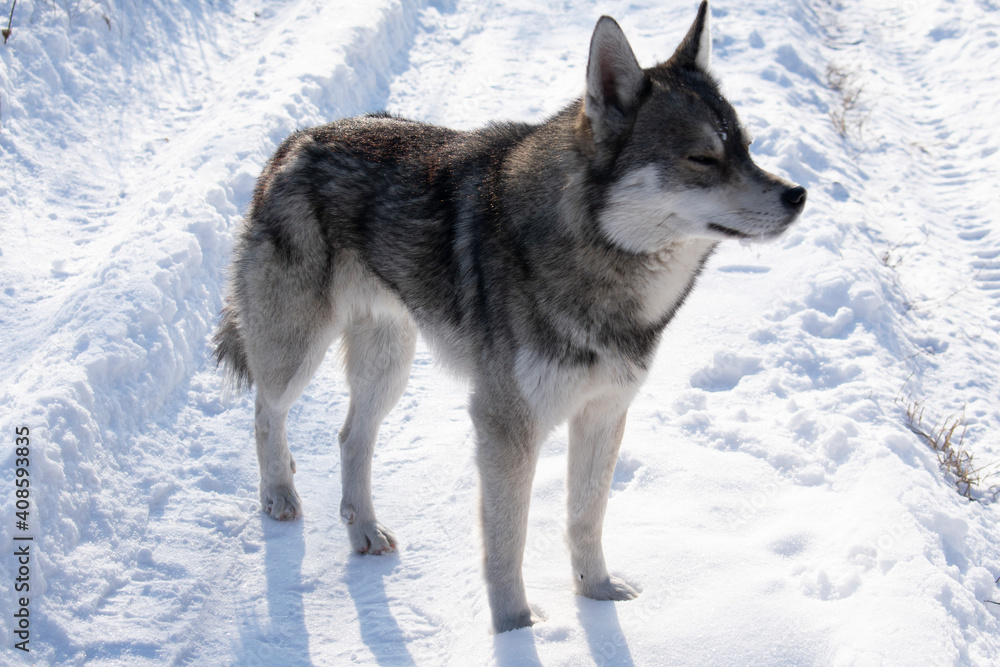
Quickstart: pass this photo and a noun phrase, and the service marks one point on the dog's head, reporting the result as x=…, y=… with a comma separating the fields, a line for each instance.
x=672, y=149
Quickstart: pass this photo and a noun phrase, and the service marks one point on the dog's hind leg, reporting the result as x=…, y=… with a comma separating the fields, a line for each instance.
x=595, y=435
x=278, y=497
x=378, y=352
x=285, y=326
x=281, y=375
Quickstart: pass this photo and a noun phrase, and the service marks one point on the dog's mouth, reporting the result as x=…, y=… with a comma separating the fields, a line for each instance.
x=757, y=235
x=726, y=231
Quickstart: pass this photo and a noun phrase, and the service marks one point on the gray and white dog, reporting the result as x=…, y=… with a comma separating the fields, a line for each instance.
x=541, y=262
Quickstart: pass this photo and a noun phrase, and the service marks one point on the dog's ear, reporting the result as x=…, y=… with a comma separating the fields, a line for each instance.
x=615, y=82
x=695, y=52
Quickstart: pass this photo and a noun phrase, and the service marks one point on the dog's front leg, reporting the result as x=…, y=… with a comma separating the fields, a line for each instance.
x=507, y=450
x=595, y=434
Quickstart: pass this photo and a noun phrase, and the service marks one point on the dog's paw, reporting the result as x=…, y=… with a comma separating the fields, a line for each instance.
x=523, y=619
x=371, y=538
x=608, y=588
x=280, y=502
x=368, y=537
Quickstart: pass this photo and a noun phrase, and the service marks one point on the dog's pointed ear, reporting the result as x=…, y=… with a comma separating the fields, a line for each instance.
x=615, y=82
x=695, y=52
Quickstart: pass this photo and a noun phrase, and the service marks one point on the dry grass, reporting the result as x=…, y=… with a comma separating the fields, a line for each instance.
x=850, y=116
x=946, y=438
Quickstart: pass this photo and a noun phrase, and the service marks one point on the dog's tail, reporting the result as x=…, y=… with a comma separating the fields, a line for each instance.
x=230, y=352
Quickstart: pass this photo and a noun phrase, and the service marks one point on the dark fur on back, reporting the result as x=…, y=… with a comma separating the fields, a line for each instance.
x=463, y=228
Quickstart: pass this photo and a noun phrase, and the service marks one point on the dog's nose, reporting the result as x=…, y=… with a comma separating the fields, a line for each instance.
x=794, y=197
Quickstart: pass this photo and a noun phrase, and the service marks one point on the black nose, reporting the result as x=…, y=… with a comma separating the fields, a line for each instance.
x=794, y=197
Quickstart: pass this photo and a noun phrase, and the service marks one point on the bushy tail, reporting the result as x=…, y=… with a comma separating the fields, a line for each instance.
x=230, y=352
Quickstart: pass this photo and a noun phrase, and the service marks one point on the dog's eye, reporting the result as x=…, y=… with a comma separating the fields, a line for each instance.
x=704, y=160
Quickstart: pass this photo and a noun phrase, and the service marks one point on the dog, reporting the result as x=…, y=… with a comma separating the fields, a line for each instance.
x=541, y=262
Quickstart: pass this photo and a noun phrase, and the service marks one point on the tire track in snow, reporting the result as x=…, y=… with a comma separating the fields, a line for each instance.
x=265, y=562
x=934, y=195
x=130, y=337
x=931, y=198
x=960, y=157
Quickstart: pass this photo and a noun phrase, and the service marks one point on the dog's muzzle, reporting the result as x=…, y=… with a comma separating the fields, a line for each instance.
x=794, y=198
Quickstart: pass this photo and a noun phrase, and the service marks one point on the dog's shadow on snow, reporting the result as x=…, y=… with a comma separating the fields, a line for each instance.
x=284, y=551
x=516, y=649
x=365, y=578
x=286, y=633
x=604, y=633
x=599, y=621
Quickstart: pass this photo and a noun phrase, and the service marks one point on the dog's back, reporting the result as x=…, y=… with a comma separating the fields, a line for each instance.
x=397, y=201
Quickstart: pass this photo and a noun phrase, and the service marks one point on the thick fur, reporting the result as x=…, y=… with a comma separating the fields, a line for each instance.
x=542, y=262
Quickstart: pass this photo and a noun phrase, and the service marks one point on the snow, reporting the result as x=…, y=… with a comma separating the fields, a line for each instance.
x=770, y=502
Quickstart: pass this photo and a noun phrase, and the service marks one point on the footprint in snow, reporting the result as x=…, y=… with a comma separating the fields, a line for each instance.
x=725, y=372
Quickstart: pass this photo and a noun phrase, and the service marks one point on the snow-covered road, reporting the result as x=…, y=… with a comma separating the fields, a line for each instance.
x=770, y=502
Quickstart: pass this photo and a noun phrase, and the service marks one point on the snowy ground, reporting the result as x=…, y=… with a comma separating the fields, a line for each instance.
x=770, y=501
